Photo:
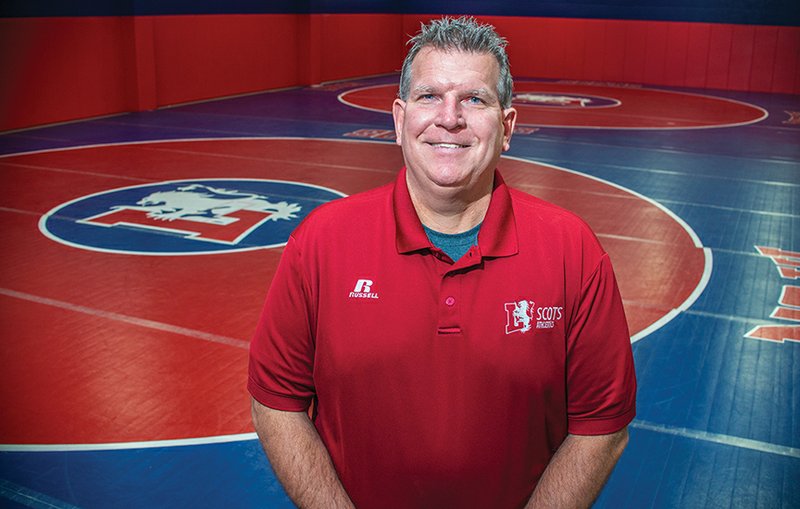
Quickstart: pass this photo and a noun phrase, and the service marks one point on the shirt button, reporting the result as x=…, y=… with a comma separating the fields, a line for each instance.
x=450, y=301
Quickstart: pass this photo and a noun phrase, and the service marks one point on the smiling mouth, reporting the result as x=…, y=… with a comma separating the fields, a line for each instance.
x=447, y=145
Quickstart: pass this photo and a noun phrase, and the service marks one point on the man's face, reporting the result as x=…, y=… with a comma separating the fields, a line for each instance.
x=452, y=127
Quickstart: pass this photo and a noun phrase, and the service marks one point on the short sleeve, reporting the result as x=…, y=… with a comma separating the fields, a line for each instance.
x=601, y=381
x=282, y=349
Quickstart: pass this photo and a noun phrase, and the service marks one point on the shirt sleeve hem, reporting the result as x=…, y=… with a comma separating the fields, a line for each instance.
x=601, y=426
x=277, y=401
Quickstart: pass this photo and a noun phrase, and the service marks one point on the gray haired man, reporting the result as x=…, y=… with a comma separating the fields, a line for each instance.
x=460, y=343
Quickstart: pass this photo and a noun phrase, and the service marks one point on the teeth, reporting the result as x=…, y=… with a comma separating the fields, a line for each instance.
x=448, y=145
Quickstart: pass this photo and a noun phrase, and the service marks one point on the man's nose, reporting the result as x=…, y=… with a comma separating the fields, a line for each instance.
x=450, y=114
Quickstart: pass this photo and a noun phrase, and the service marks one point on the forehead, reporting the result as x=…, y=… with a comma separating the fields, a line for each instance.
x=434, y=66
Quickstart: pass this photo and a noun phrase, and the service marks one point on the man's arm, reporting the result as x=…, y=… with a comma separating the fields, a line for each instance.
x=578, y=471
x=299, y=458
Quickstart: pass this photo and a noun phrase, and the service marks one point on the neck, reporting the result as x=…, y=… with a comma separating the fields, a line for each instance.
x=451, y=210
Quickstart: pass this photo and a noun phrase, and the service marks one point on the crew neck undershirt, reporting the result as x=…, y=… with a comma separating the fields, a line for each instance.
x=455, y=245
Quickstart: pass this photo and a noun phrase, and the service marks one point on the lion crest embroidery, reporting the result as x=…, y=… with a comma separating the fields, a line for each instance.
x=211, y=204
x=519, y=316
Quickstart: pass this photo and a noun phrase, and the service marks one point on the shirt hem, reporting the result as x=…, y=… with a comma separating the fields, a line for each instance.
x=601, y=426
x=277, y=401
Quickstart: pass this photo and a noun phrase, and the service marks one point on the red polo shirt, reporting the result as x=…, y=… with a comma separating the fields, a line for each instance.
x=441, y=384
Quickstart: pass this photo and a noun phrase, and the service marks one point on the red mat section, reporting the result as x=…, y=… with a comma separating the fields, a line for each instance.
x=108, y=347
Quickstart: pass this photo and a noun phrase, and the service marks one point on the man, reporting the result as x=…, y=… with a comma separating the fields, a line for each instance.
x=461, y=344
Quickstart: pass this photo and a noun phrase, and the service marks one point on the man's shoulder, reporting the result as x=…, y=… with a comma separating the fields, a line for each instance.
x=541, y=223
x=527, y=206
x=354, y=210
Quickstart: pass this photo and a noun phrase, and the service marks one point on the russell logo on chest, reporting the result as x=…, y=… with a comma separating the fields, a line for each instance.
x=363, y=290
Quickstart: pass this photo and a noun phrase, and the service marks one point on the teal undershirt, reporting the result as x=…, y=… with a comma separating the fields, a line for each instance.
x=455, y=245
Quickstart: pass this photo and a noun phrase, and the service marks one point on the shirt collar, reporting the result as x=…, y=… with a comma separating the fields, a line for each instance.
x=498, y=233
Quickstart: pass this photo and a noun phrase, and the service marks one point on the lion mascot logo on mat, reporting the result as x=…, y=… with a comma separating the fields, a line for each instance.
x=186, y=217
x=199, y=202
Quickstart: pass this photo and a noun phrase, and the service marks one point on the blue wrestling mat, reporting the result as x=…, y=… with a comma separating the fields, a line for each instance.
x=124, y=371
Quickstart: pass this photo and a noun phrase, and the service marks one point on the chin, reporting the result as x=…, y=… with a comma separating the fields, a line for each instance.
x=444, y=179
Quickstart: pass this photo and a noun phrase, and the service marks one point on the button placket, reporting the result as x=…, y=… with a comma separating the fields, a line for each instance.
x=449, y=299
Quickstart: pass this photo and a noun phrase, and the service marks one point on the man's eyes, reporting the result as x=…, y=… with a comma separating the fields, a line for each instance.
x=472, y=100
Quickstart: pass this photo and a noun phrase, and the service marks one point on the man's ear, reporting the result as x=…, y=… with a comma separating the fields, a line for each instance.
x=509, y=121
x=399, y=115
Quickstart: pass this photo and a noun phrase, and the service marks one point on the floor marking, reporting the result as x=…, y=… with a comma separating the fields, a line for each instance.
x=158, y=141
x=764, y=113
x=733, y=318
x=18, y=211
x=142, y=322
x=117, y=446
x=731, y=209
x=244, y=246
x=737, y=252
x=603, y=194
x=30, y=498
x=59, y=124
x=182, y=140
x=273, y=160
x=684, y=307
x=717, y=438
x=543, y=138
x=643, y=240
x=676, y=173
x=75, y=172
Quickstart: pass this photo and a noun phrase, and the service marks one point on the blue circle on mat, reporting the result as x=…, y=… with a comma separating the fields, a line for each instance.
x=186, y=217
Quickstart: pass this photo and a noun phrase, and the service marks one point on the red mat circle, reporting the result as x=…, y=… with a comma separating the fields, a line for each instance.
x=632, y=108
x=105, y=348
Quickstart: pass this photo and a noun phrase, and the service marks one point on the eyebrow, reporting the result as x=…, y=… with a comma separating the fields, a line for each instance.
x=423, y=89
x=479, y=92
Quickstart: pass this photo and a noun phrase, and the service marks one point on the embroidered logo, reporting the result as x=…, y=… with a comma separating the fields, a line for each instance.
x=522, y=315
x=519, y=316
x=363, y=290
